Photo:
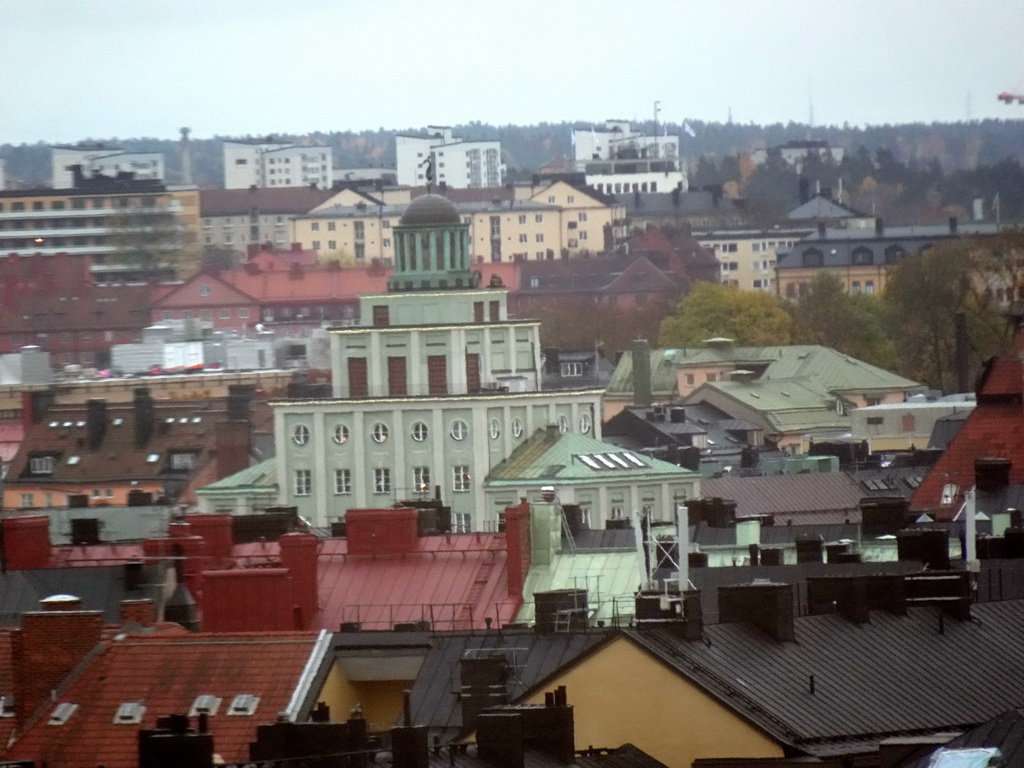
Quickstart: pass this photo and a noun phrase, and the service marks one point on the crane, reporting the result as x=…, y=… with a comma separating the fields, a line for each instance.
x=1009, y=98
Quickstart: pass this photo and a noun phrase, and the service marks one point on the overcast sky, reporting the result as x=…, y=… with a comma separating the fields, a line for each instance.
x=75, y=69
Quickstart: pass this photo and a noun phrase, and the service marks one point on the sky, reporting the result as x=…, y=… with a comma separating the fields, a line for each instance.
x=100, y=69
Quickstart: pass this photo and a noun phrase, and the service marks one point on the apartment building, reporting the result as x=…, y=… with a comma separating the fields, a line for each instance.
x=542, y=222
x=747, y=257
x=456, y=162
x=269, y=163
x=619, y=160
x=103, y=159
x=795, y=153
x=129, y=228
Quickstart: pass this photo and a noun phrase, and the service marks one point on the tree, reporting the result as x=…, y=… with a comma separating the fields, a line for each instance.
x=853, y=324
x=926, y=292
x=580, y=325
x=710, y=310
x=150, y=241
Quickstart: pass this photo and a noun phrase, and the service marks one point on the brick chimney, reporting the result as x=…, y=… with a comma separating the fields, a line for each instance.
x=49, y=645
x=381, y=531
x=216, y=532
x=232, y=446
x=518, y=546
x=299, y=556
x=504, y=734
x=26, y=542
x=248, y=600
x=145, y=416
x=95, y=423
x=141, y=612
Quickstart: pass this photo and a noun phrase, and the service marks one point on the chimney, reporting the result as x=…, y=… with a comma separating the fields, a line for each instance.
x=483, y=684
x=847, y=595
x=641, y=373
x=879, y=227
x=174, y=743
x=748, y=531
x=299, y=554
x=409, y=746
x=239, y=401
x=809, y=548
x=518, y=546
x=49, y=646
x=991, y=473
x=26, y=542
x=505, y=734
x=233, y=447
x=248, y=600
x=804, y=190
x=216, y=532
x=95, y=423
x=381, y=531
x=952, y=226
x=145, y=415
x=141, y=612
x=762, y=604
x=678, y=611
x=34, y=405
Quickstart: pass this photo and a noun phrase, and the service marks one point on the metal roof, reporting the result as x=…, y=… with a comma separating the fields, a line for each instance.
x=610, y=578
x=259, y=477
x=789, y=496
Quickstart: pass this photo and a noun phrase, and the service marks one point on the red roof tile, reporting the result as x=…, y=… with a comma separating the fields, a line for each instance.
x=166, y=673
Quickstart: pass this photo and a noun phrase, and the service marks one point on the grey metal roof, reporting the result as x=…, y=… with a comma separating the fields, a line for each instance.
x=892, y=675
x=626, y=756
x=819, y=207
x=789, y=496
x=100, y=588
x=435, y=699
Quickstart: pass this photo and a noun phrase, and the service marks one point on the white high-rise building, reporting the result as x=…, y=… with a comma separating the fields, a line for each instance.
x=458, y=163
x=104, y=160
x=618, y=160
x=276, y=164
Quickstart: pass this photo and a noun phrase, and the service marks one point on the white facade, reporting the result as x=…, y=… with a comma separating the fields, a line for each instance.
x=619, y=160
x=459, y=164
x=3, y=178
x=108, y=161
x=276, y=164
x=795, y=152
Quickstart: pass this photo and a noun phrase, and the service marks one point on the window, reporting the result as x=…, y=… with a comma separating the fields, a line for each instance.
x=586, y=422
x=342, y=481
x=182, y=461
x=420, y=432
x=206, y=314
x=459, y=430
x=340, y=435
x=316, y=245
x=332, y=245
x=522, y=218
x=382, y=480
x=315, y=226
x=27, y=500
x=949, y=493
x=205, y=290
x=539, y=218
x=460, y=478
x=563, y=424
x=243, y=314
x=494, y=429
x=583, y=234
x=517, y=427
x=300, y=435
x=303, y=482
x=421, y=479
x=330, y=226
x=540, y=237
x=225, y=314
x=863, y=256
x=524, y=238
x=572, y=369
x=41, y=465
x=583, y=216
x=380, y=432
x=812, y=257
x=869, y=286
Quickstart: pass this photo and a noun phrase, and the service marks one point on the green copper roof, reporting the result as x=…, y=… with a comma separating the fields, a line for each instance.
x=260, y=477
x=785, y=405
x=571, y=458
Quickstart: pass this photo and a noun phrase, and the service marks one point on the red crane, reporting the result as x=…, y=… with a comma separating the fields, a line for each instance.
x=1009, y=98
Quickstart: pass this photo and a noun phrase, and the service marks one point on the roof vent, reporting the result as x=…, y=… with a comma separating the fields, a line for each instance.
x=6, y=706
x=62, y=713
x=130, y=713
x=205, y=705
x=244, y=704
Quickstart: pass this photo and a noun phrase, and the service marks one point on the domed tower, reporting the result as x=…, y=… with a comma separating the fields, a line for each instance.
x=432, y=248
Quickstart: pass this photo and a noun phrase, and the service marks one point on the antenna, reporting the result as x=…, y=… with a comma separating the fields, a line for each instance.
x=810, y=104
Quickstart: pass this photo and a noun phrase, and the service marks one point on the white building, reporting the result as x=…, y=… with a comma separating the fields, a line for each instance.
x=3, y=179
x=619, y=160
x=459, y=164
x=276, y=164
x=102, y=159
x=794, y=153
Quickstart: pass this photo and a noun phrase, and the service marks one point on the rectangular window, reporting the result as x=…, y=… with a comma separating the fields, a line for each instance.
x=330, y=226
x=358, y=383
x=460, y=478
x=495, y=310
x=437, y=374
x=572, y=369
x=381, y=316
x=316, y=245
x=360, y=251
x=225, y=314
x=360, y=230
x=303, y=482
x=27, y=500
x=540, y=237
x=315, y=226
x=539, y=218
x=583, y=216
x=397, y=377
x=478, y=311
x=41, y=465
x=583, y=234
x=342, y=481
x=382, y=480
x=522, y=218
x=332, y=245
x=243, y=313
x=523, y=238
x=421, y=479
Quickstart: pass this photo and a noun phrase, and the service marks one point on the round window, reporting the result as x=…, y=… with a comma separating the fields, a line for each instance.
x=380, y=432
x=494, y=429
x=563, y=424
x=420, y=432
x=517, y=427
x=586, y=422
x=459, y=429
x=340, y=434
x=300, y=436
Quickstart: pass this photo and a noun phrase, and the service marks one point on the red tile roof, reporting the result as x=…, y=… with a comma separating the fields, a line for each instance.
x=308, y=284
x=6, y=683
x=166, y=673
x=452, y=581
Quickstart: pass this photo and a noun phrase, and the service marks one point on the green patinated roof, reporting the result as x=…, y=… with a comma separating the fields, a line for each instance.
x=549, y=456
x=611, y=579
x=257, y=478
x=823, y=368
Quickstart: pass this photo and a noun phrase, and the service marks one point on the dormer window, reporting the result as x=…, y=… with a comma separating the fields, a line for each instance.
x=129, y=713
x=183, y=460
x=205, y=705
x=949, y=493
x=62, y=713
x=7, y=706
x=41, y=465
x=244, y=704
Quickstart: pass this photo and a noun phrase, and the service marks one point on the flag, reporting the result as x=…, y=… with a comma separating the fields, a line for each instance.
x=689, y=130
x=593, y=135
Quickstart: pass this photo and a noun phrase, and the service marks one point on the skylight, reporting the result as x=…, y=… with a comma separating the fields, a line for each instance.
x=6, y=706
x=130, y=713
x=62, y=713
x=118, y=421
x=206, y=704
x=54, y=423
x=605, y=461
x=244, y=704
x=589, y=462
x=74, y=459
x=153, y=458
x=169, y=420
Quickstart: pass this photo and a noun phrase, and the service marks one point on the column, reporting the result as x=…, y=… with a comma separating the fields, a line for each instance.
x=322, y=489
x=362, y=481
x=457, y=362
x=417, y=364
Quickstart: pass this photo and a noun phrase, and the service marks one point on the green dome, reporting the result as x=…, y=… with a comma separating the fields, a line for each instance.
x=427, y=210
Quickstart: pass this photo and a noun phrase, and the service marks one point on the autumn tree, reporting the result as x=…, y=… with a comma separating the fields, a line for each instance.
x=853, y=324
x=926, y=292
x=709, y=310
x=582, y=325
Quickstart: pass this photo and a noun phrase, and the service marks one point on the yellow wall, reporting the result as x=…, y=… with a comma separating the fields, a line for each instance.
x=621, y=694
x=381, y=700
